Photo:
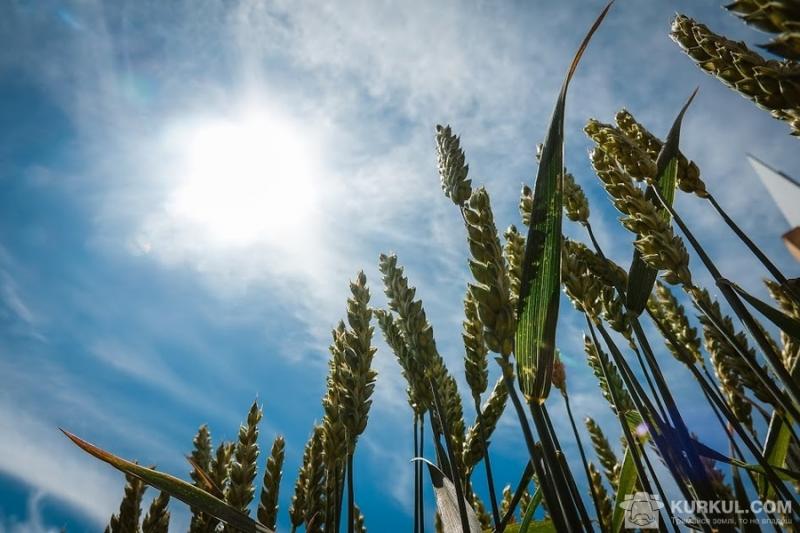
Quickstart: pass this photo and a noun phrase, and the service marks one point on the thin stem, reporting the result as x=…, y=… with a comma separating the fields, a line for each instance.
x=416, y=474
x=583, y=456
x=533, y=450
x=351, y=504
x=769, y=265
x=576, y=495
x=487, y=463
x=553, y=465
x=633, y=445
x=419, y=478
x=524, y=481
x=650, y=385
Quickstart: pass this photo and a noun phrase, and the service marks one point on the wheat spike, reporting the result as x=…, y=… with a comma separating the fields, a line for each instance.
x=606, y=509
x=334, y=432
x=452, y=168
x=581, y=289
x=240, y=490
x=559, y=377
x=476, y=365
x=314, y=490
x=157, y=518
x=791, y=346
x=514, y=253
x=480, y=510
x=412, y=322
x=773, y=16
x=297, y=507
x=576, y=206
x=491, y=411
x=620, y=148
x=130, y=508
x=359, y=525
x=418, y=334
x=487, y=264
x=733, y=373
x=688, y=176
x=270, y=488
x=526, y=204
x=505, y=503
x=411, y=371
x=772, y=85
x=660, y=248
x=673, y=316
x=597, y=360
x=201, y=457
x=357, y=377
x=606, y=456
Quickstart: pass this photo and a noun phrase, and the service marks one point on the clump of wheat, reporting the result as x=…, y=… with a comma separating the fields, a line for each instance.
x=130, y=508
x=611, y=387
x=483, y=427
x=672, y=316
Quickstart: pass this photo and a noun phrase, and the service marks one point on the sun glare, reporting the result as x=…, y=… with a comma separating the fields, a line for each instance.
x=244, y=179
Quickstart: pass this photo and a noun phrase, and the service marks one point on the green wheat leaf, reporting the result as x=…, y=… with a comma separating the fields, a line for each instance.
x=541, y=269
x=625, y=485
x=527, y=520
x=642, y=277
x=177, y=488
x=787, y=324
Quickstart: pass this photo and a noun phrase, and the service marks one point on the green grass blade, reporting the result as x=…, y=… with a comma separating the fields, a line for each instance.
x=541, y=270
x=536, y=499
x=625, y=485
x=787, y=324
x=641, y=277
x=177, y=488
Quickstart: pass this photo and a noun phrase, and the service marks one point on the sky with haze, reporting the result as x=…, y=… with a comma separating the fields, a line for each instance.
x=187, y=187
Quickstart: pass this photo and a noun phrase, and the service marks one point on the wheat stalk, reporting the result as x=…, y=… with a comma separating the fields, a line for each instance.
x=671, y=315
x=576, y=206
x=240, y=490
x=314, y=489
x=617, y=146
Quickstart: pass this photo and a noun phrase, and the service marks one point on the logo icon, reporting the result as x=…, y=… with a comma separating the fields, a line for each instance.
x=641, y=510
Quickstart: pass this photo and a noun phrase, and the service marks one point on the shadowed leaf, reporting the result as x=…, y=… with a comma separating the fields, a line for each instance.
x=177, y=488
x=541, y=268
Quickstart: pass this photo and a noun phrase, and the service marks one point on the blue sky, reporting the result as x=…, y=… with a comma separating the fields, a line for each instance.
x=148, y=284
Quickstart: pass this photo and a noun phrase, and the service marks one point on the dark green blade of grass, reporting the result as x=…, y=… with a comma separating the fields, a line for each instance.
x=536, y=499
x=177, y=488
x=787, y=324
x=641, y=277
x=541, y=271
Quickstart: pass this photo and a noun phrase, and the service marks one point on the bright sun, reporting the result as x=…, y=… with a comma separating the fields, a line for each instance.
x=244, y=178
